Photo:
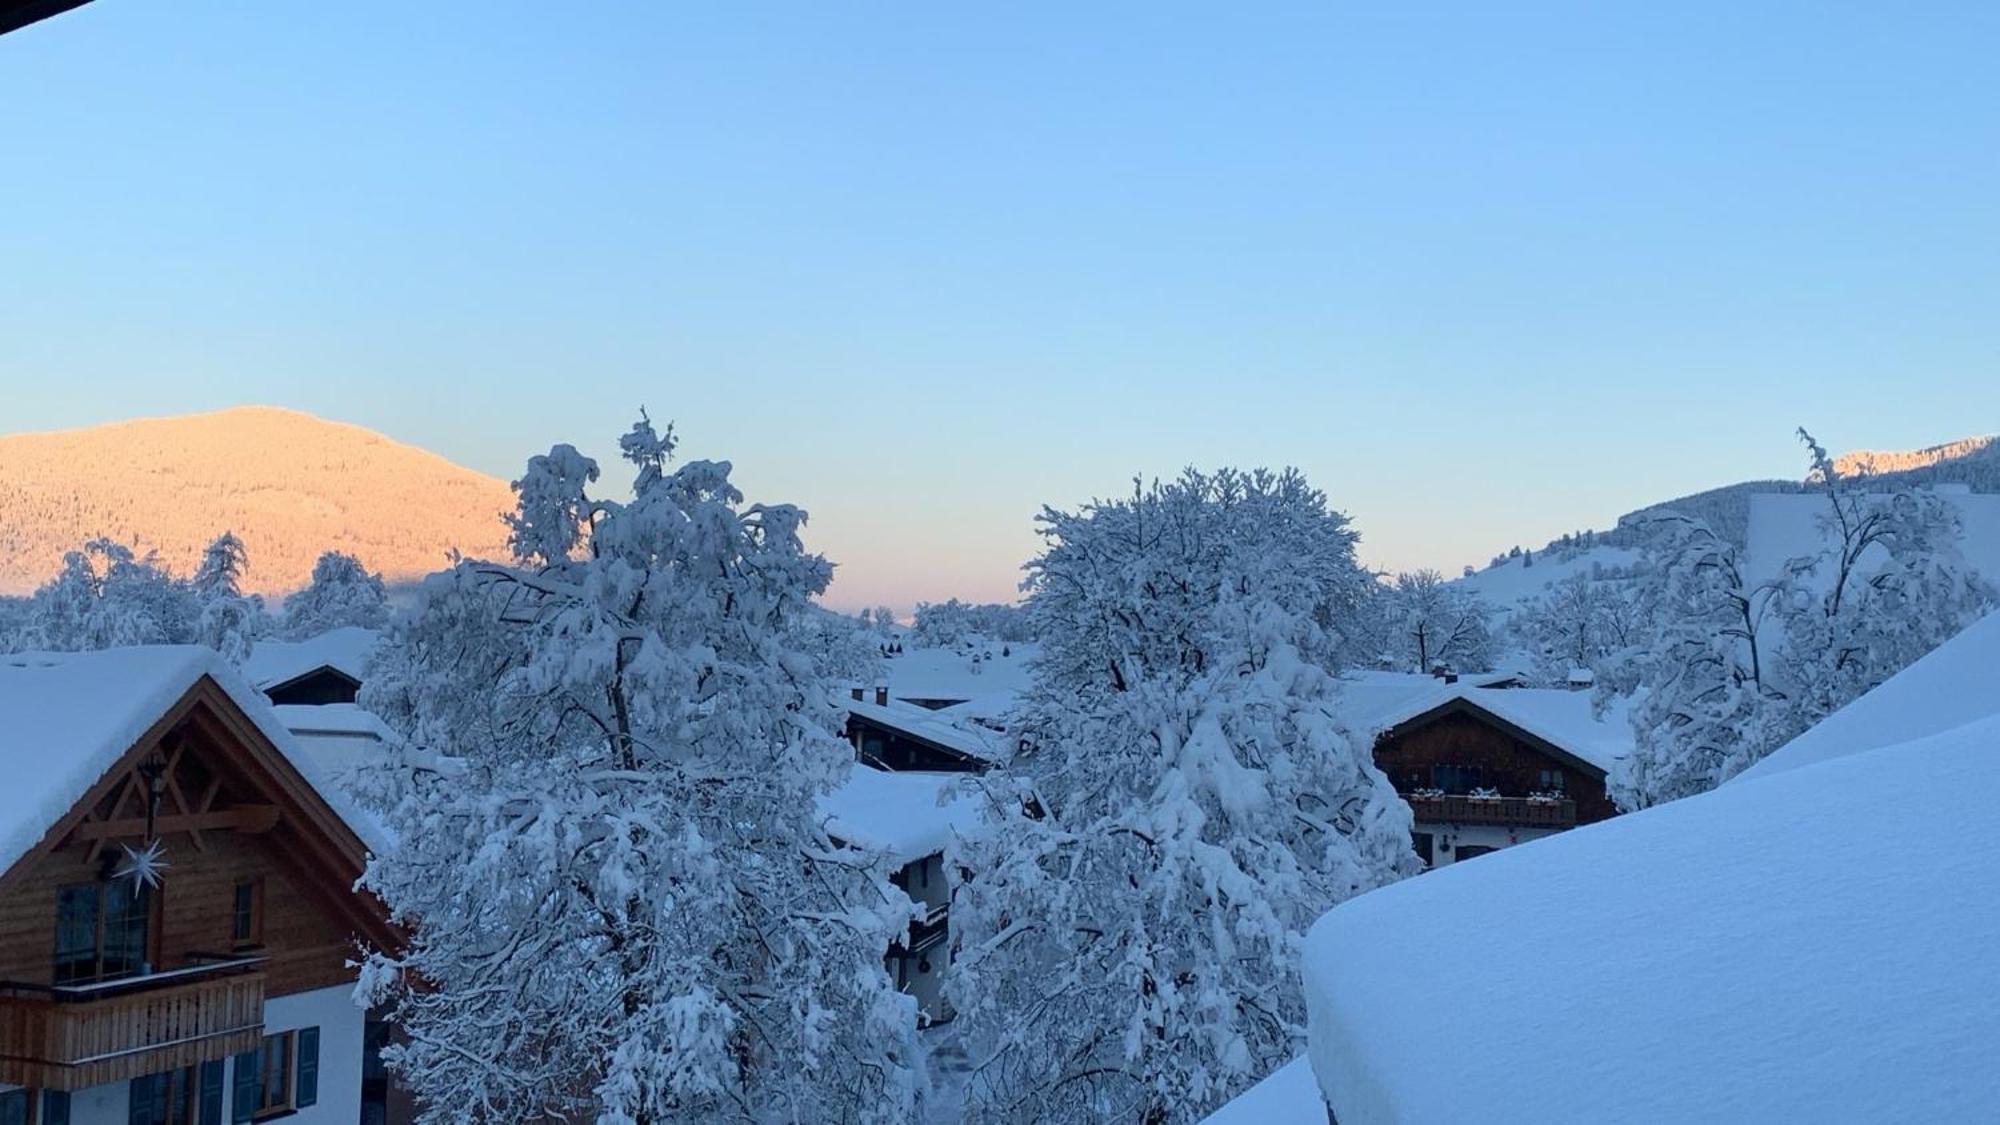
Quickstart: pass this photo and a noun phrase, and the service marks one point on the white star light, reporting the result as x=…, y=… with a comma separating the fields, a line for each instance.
x=145, y=867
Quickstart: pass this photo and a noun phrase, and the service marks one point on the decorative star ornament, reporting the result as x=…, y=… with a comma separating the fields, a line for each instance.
x=145, y=867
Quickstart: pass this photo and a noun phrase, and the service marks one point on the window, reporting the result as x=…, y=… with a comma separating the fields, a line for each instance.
x=274, y=1082
x=1549, y=781
x=247, y=918
x=175, y=1097
x=14, y=1107
x=103, y=930
x=280, y=1075
x=1456, y=779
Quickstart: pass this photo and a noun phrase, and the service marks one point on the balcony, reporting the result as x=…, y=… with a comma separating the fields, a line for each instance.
x=1506, y=812
x=67, y=1037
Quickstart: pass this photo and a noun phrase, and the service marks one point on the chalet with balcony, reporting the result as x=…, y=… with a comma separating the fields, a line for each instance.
x=176, y=902
x=1487, y=767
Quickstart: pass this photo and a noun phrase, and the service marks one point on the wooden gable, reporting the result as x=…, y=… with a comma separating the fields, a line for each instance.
x=1508, y=757
x=232, y=808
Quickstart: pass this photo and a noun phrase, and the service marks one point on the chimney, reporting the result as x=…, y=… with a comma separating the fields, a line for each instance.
x=881, y=697
x=1451, y=677
x=856, y=692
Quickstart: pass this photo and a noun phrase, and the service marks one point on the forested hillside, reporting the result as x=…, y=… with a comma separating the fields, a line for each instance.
x=289, y=484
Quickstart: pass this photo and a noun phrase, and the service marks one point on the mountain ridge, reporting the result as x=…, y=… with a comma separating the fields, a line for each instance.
x=289, y=483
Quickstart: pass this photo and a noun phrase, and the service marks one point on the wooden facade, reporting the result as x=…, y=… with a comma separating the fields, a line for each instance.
x=256, y=903
x=1437, y=759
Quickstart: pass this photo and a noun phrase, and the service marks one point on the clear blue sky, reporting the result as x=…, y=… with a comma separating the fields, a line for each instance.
x=1488, y=272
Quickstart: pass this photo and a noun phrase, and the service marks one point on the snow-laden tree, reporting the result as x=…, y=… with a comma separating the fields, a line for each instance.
x=1184, y=803
x=228, y=620
x=342, y=592
x=1704, y=704
x=844, y=650
x=107, y=596
x=885, y=619
x=1742, y=665
x=1427, y=623
x=620, y=904
x=1580, y=623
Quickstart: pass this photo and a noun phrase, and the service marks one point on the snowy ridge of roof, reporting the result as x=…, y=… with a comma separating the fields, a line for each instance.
x=345, y=649
x=1798, y=949
x=1956, y=683
x=968, y=739
x=1565, y=718
x=905, y=815
x=67, y=717
x=1287, y=1096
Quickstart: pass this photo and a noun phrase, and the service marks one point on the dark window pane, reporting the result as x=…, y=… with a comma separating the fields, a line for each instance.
x=76, y=933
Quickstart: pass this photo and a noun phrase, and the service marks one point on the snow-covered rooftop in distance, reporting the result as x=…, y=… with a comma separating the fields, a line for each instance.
x=1374, y=702
x=953, y=673
x=959, y=734
x=1289, y=1096
x=1810, y=946
x=66, y=717
x=904, y=815
x=345, y=649
x=1953, y=684
x=1785, y=526
x=337, y=736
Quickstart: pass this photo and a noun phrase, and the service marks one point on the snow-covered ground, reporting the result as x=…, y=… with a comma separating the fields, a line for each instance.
x=1505, y=586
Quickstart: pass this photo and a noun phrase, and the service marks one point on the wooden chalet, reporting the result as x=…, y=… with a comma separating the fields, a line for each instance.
x=1486, y=767
x=214, y=987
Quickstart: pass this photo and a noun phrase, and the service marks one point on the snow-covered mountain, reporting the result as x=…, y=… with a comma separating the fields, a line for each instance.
x=289, y=484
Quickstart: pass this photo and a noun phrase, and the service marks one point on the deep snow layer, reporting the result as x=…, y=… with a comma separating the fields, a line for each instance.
x=1954, y=684
x=1816, y=945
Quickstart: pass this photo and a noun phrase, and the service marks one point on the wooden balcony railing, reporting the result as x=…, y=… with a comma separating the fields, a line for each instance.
x=67, y=1037
x=1521, y=812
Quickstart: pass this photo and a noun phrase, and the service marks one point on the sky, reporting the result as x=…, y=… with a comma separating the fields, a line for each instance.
x=1487, y=273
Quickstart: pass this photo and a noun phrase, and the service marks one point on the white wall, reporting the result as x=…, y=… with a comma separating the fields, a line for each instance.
x=332, y=1010
x=1475, y=835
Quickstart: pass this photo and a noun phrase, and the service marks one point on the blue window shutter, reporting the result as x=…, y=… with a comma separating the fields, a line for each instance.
x=307, y=1090
x=246, y=1086
x=211, y=1093
x=142, y=1092
x=14, y=1107
x=55, y=1107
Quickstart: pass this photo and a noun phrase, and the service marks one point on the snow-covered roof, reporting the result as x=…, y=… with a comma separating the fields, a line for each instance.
x=1815, y=945
x=904, y=815
x=1289, y=1096
x=953, y=673
x=337, y=736
x=345, y=650
x=1377, y=702
x=960, y=736
x=1953, y=684
x=67, y=717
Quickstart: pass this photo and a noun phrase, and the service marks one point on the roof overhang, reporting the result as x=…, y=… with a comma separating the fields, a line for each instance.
x=17, y=14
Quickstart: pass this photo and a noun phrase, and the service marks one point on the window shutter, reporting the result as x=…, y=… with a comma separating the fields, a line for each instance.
x=211, y=1093
x=307, y=1091
x=14, y=1107
x=141, y=1092
x=245, y=1101
x=55, y=1107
